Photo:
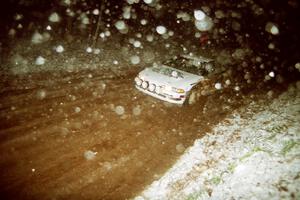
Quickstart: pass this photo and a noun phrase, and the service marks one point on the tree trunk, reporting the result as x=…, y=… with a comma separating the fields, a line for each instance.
x=99, y=23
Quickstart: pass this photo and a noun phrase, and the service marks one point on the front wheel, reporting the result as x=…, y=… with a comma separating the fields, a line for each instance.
x=192, y=97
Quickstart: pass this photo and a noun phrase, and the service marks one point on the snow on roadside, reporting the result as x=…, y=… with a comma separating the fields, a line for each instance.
x=256, y=156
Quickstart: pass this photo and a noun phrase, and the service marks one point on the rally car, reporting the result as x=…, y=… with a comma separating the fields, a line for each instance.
x=174, y=79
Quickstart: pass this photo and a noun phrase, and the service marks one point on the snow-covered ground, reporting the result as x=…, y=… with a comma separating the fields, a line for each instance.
x=253, y=154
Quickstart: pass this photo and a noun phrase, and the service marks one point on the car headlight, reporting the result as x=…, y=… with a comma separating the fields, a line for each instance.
x=145, y=84
x=138, y=81
x=141, y=77
x=151, y=87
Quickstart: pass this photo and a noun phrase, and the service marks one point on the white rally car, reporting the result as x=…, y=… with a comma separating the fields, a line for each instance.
x=173, y=80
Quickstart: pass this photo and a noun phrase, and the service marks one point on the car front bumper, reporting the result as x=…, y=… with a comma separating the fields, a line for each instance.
x=169, y=97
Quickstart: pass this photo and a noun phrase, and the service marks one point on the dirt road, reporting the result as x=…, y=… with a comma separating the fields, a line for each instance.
x=66, y=135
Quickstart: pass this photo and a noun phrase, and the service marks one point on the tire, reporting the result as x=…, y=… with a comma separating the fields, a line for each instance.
x=193, y=97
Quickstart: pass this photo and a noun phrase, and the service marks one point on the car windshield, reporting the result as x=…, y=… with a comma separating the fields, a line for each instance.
x=168, y=72
x=193, y=66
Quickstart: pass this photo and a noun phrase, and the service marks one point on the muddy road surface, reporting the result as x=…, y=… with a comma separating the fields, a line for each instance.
x=91, y=135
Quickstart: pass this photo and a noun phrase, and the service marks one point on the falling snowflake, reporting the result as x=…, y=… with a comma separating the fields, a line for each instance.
x=90, y=155
x=137, y=44
x=272, y=28
x=199, y=15
x=41, y=94
x=40, y=60
x=77, y=109
x=144, y=21
x=59, y=49
x=120, y=25
x=204, y=25
x=137, y=110
x=54, y=17
x=161, y=30
x=119, y=110
x=89, y=50
x=272, y=74
x=135, y=59
x=96, y=11
x=37, y=38
x=148, y=1
x=218, y=86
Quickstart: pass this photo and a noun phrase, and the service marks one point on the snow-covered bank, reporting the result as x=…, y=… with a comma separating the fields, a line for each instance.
x=254, y=154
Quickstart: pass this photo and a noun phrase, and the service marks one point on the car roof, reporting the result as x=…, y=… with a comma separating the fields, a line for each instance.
x=197, y=58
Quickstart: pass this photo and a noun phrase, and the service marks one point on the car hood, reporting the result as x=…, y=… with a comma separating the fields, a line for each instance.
x=186, y=80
